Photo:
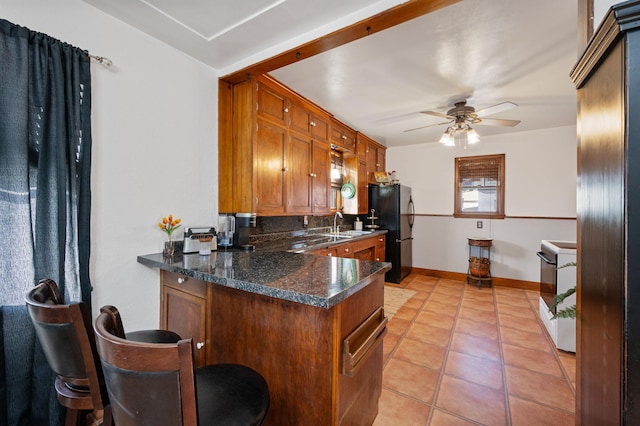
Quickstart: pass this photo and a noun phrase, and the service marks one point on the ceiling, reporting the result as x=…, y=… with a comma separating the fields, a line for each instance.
x=485, y=51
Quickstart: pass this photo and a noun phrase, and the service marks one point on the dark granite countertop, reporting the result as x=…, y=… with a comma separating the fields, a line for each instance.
x=319, y=281
x=307, y=242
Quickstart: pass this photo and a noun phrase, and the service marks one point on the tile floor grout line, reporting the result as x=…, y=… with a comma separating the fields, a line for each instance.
x=443, y=367
x=502, y=361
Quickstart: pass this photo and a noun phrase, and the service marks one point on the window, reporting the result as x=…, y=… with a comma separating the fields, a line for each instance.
x=479, y=187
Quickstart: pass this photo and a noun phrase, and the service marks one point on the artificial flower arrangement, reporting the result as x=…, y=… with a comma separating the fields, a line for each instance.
x=169, y=224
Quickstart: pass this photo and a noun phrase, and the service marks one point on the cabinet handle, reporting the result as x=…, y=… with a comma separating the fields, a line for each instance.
x=329, y=254
x=381, y=239
x=312, y=123
x=199, y=345
x=377, y=259
x=181, y=280
x=344, y=137
x=284, y=169
x=286, y=110
x=377, y=165
x=312, y=174
x=346, y=250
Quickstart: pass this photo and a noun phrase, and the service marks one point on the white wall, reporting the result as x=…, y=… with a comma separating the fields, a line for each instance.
x=540, y=190
x=154, y=124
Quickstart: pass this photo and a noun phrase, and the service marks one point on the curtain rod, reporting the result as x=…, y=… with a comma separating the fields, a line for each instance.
x=101, y=60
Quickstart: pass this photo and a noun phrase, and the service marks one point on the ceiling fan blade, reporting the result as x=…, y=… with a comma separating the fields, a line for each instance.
x=436, y=114
x=504, y=106
x=424, y=127
x=499, y=122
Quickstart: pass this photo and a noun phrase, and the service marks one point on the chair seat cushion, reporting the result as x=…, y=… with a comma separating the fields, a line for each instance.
x=231, y=394
x=153, y=336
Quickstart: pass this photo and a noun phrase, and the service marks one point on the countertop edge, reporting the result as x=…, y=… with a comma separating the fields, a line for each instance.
x=307, y=299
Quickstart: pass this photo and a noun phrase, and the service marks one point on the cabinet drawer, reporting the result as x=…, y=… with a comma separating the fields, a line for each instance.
x=184, y=283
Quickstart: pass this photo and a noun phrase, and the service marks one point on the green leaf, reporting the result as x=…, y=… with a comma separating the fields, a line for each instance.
x=569, y=312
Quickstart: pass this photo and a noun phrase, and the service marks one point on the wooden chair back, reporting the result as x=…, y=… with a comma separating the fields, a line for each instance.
x=67, y=339
x=148, y=383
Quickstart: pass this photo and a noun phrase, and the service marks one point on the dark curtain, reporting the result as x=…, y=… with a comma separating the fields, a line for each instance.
x=45, y=198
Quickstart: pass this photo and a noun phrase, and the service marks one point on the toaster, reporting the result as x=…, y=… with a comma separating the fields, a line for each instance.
x=194, y=235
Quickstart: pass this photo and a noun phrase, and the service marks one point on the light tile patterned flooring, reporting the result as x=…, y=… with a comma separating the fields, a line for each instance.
x=459, y=355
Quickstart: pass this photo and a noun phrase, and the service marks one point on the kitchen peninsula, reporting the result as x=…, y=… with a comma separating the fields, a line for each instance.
x=311, y=325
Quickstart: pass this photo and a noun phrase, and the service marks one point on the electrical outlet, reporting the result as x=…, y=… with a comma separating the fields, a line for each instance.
x=479, y=224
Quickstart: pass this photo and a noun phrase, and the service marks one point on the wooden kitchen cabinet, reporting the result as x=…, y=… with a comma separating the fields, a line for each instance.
x=362, y=191
x=309, y=120
x=184, y=310
x=292, y=345
x=343, y=136
x=273, y=151
x=307, y=176
x=270, y=172
x=372, y=153
x=363, y=249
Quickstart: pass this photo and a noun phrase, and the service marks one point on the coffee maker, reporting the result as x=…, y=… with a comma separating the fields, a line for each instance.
x=244, y=223
x=226, y=230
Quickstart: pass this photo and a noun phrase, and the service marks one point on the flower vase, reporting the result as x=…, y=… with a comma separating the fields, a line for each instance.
x=169, y=248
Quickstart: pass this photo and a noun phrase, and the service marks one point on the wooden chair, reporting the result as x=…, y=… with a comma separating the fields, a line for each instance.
x=68, y=342
x=153, y=384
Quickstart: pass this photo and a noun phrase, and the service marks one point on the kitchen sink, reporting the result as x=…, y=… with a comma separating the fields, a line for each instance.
x=338, y=236
x=348, y=234
x=356, y=233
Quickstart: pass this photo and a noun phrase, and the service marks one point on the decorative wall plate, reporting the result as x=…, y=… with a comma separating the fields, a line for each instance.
x=348, y=190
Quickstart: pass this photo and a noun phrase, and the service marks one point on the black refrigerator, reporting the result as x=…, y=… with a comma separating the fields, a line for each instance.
x=394, y=208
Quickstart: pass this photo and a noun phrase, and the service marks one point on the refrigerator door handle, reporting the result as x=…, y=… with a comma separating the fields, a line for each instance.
x=399, y=241
x=412, y=212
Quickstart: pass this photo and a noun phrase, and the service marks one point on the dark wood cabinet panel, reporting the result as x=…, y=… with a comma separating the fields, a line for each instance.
x=607, y=77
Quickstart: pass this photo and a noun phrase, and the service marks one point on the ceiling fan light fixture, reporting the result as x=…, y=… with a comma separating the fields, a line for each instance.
x=447, y=137
x=472, y=136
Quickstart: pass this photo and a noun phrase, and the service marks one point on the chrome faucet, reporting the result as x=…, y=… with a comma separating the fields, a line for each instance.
x=335, y=218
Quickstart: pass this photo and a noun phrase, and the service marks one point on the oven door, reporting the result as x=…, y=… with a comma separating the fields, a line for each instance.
x=548, y=277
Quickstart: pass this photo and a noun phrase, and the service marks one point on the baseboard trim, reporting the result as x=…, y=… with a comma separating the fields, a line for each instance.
x=497, y=281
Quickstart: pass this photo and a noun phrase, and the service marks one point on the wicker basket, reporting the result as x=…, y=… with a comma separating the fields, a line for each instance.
x=479, y=266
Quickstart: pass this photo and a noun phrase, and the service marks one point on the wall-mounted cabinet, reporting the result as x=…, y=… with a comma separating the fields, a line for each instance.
x=274, y=152
x=343, y=136
x=374, y=155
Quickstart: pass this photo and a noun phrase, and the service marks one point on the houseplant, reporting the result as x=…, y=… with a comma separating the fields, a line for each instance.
x=569, y=312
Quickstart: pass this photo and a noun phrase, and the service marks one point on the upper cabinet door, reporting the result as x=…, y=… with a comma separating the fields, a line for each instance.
x=320, y=179
x=343, y=136
x=273, y=105
x=270, y=169
x=300, y=118
x=299, y=174
x=319, y=127
x=307, y=120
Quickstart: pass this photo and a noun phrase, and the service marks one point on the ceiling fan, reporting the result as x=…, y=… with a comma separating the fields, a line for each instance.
x=462, y=116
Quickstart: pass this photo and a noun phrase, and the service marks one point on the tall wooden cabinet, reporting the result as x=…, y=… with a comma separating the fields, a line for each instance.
x=607, y=77
x=275, y=156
